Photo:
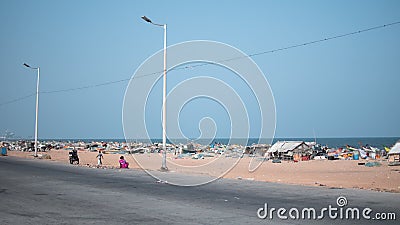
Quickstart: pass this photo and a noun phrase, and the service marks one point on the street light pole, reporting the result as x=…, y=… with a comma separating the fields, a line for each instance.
x=164, y=106
x=37, y=105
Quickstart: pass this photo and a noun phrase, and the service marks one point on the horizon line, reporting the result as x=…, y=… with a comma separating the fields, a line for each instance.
x=119, y=138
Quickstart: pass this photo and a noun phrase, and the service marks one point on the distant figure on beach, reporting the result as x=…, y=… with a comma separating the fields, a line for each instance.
x=123, y=163
x=100, y=158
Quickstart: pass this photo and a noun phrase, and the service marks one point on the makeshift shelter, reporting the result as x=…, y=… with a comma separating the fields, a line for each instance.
x=189, y=148
x=257, y=149
x=394, y=153
x=289, y=150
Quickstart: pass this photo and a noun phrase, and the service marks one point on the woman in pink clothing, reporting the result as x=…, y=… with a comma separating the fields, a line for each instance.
x=123, y=163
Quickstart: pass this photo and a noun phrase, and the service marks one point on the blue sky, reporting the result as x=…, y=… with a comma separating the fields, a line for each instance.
x=347, y=87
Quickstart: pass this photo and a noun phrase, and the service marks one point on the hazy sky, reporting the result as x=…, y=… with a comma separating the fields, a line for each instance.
x=346, y=87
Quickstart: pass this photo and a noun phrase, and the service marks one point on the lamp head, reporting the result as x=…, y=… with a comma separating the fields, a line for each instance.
x=146, y=19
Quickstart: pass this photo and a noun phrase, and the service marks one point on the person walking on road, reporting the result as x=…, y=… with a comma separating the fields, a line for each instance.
x=100, y=158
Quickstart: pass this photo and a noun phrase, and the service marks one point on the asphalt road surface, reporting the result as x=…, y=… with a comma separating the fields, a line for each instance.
x=44, y=192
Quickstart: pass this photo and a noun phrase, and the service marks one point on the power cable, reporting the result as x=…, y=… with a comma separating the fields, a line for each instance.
x=203, y=64
x=17, y=99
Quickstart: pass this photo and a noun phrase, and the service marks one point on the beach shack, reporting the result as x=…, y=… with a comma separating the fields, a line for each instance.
x=394, y=154
x=289, y=150
x=257, y=149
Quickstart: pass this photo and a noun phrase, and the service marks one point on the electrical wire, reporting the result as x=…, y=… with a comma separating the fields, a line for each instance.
x=85, y=87
x=204, y=64
x=17, y=99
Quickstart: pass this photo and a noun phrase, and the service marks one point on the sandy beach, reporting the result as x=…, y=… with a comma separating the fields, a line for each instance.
x=324, y=173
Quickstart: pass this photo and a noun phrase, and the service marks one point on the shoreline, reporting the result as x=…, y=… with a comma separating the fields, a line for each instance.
x=323, y=173
x=332, y=142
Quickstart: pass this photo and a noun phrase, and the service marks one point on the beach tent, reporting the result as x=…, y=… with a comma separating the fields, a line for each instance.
x=394, y=153
x=285, y=146
x=282, y=148
x=395, y=149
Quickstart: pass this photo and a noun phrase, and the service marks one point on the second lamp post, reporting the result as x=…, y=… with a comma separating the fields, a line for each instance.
x=37, y=105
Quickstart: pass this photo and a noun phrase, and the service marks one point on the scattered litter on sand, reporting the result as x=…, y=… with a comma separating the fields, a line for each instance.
x=276, y=161
x=44, y=156
x=394, y=164
x=319, y=184
x=372, y=164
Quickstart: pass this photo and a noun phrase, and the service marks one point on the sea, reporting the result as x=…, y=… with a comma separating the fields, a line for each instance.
x=378, y=142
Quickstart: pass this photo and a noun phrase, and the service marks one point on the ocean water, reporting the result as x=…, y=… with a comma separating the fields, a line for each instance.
x=378, y=142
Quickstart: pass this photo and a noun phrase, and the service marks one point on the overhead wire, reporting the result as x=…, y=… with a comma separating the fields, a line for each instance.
x=17, y=99
x=85, y=87
x=204, y=64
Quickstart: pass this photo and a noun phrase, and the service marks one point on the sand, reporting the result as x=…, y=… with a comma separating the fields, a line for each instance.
x=323, y=173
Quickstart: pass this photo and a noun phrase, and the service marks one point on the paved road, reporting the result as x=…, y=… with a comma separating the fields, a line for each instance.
x=43, y=192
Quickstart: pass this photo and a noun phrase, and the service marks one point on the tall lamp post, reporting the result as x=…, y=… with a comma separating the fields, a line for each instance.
x=164, y=113
x=37, y=104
